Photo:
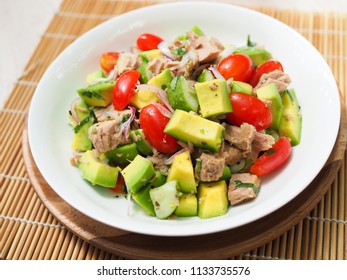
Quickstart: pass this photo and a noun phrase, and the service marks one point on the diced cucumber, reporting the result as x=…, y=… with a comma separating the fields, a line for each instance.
x=182, y=95
x=165, y=199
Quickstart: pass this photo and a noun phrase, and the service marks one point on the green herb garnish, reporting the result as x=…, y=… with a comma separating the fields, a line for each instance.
x=179, y=51
x=82, y=123
x=240, y=184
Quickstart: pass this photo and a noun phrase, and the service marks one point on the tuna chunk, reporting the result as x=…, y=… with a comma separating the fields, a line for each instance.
x=207, y=50
x=109, y=113
x=261, y=142
x=240, y=137
x=157, y=65
x=277, y=77
x=183, y=66
x=127, y=61
x=243, y=187
x=212, y=166
x=107, y=135
x=231, y=154
x=159, y=161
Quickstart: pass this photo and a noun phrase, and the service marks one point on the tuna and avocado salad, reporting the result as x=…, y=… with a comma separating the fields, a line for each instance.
x=184, y=127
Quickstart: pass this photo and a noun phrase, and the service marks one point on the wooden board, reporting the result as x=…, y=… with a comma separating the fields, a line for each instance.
x=212, y=246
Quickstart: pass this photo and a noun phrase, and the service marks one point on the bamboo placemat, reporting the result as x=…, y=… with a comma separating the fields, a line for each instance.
x=29, y=231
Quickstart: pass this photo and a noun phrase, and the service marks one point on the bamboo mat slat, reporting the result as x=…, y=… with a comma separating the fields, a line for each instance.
x=29, y=231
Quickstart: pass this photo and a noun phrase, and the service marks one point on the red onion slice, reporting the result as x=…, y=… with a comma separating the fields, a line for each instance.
x=164, y=48
x=125, y=127
x=216, y=73
x=73, y=111
x=169, y=160
x=162, y=95
x=165, y=112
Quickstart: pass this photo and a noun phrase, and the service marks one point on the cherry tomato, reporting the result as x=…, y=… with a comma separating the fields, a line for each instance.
x=124, y=89
x=249, y=109
x=153, y=123
x=147, y=42
x=120, y=185
x=264, y=68
x=237, y=66
x=272, y=159
x=108, y=60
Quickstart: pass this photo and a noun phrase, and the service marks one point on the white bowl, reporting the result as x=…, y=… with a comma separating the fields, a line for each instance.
x=50, y=135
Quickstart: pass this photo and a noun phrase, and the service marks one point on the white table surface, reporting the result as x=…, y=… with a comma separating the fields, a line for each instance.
x=22, y=22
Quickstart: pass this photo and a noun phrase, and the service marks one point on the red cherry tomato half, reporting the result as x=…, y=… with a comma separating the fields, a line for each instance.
x=153, y=123
x=249, y=109
x=264, y=68
x=120, y=185
x=147, y=41
x=108, y=60
x=272, y=159
x=237, y=66
x=124, y=89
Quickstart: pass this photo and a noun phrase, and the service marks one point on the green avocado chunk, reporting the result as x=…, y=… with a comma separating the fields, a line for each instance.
x=122, y=154
x=257, y=55
x=92, y=77
x=182, y=95
x=188, y=206
x=158, y=180
x=237, y=86
x=212, y=199
x=97, y=172
x=182, y=170
x=213, y=97
x=143, y=199
x=206, y=75
x=270, y=93
x=97, y=95
x=291, y=120
x=138, y=173
x=81, y=141
x=141, y=143
x=189, y=127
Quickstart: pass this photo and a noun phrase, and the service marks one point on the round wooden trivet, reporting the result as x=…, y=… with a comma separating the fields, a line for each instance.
x=212, y=246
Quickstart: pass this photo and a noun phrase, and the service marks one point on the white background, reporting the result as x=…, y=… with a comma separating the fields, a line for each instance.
x=22, y=22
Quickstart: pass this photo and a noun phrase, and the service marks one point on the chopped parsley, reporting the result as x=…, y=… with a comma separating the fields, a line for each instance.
x=91, y=94
x=179, y=51
x=249, y=42
x=240, y=184
x=77, y=128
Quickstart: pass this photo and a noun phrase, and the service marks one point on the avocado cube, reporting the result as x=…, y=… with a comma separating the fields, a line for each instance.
x=97, y=172
x=237, y=86
x=92, y=77
x=291, y=120
x=212, y=199
x=182, y=95
x=270, y=93
x=165, y=199
x=143, y=98
x=143, y=199
x=188, y=205
x=158, y=180
x=214, y=99
x=122, y=154
x=206, y=75
x=149, y=55
x=188, y=127
x=141, y=143
x=81, y=141
x=97, y=95
x=138, y=173
x=257, y=55
x=182, y=170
